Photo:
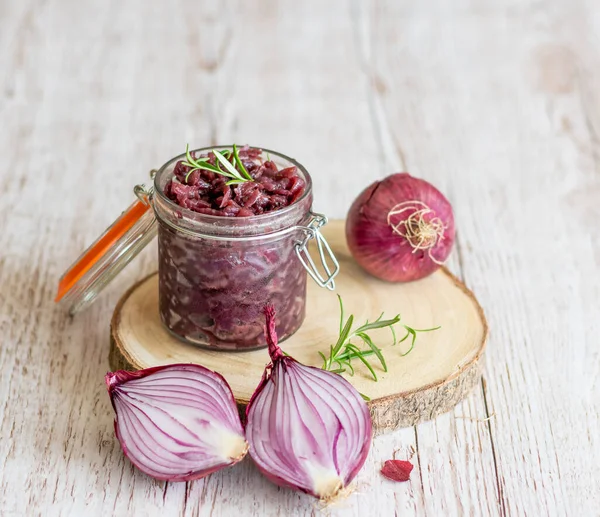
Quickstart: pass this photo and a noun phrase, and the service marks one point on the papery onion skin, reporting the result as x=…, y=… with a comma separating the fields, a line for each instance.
x=308, y=429
x=372, y=240
x=194, y=402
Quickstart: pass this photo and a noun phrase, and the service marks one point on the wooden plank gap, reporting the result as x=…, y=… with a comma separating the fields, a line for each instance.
x=488, y=421
x=419, y=464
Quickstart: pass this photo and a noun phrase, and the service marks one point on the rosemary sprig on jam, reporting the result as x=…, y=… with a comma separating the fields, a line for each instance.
x=345, y=350
x=225, y=158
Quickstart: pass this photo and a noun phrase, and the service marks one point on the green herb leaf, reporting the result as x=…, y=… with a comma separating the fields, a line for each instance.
x=223, y=158
x=231, y=170
x=347, y=364
x=197, y=163
x=361, y=358
x=341, y=313
x=404, y=338
x=343, y=335
x=428, y=330
x=345, y=351
x=410, y=332
x=324, y=361
x=236, y=156
x=349, y=354
x=369, y=342
x=378, y=324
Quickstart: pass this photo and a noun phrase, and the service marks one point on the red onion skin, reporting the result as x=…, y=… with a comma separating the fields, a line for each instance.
x=397, y=470
x=281, y=362
x=374, y=244
x=115, y=379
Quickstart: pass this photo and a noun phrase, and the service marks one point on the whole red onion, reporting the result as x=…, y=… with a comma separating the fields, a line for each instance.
x=400, y=229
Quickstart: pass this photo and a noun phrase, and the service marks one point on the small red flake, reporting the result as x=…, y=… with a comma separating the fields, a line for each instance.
x=397, y=470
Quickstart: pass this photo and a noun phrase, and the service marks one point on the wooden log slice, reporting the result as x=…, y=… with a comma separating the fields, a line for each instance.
x=439, y=372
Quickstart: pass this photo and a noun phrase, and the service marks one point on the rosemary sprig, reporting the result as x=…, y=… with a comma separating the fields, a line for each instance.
x=344, y=351
x=224, y=158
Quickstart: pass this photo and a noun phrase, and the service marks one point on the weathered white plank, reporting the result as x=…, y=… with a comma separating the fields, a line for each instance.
x=495, y=103
x=455, y=455
x=75, y=148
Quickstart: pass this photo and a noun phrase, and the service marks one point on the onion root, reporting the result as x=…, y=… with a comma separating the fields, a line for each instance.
x=421, y=228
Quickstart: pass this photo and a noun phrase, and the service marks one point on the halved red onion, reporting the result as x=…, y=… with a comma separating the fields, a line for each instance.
x=178, y=422
x=308, y=429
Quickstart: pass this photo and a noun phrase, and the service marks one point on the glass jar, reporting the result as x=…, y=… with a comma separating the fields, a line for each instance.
x=215, y=273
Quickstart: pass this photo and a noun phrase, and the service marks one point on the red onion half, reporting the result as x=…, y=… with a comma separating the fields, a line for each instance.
x=178, y=422
x=308, y=428
x=400, y=229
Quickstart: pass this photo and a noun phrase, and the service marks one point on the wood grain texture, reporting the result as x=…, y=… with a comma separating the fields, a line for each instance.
x=513, y=86
x=439, y=373
x=497, y=103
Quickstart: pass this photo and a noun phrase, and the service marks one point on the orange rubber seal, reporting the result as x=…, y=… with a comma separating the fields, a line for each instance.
x=95, y=252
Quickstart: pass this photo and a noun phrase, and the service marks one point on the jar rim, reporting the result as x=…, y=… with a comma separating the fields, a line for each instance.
x=198, y=217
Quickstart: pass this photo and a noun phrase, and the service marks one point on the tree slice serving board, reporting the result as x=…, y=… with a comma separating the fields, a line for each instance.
x=439, y=372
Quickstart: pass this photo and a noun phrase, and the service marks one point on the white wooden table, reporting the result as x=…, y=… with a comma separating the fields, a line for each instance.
x=497, y=103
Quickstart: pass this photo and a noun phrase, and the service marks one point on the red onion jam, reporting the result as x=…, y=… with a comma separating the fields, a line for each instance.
x=217, y=273
x=206, y=192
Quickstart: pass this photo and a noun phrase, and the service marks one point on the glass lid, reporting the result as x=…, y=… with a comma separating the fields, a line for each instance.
x=109, y=254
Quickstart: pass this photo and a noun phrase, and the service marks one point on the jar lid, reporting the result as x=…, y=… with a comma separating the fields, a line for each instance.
x=109, y=254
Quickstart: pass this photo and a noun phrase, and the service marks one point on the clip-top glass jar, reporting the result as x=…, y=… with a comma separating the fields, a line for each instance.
x=216, y=273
